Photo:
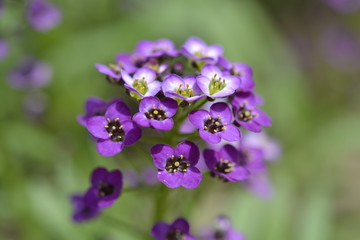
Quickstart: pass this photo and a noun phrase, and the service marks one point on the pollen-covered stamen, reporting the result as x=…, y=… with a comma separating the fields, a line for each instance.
x=185, y=92
x=176, y=164
x=140, y=85
x=156, y=114
x=217, y=84
x=115, y=130
x=105, y=189
x=214, y=125
x=245, y=114
x=115, y=68
x=175, y=235
x=224, y=166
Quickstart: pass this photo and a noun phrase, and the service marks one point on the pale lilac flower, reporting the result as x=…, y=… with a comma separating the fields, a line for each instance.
x=269, y=146
x=197, y=50
x=260, y=185
x=42, y=15
x=158, y=48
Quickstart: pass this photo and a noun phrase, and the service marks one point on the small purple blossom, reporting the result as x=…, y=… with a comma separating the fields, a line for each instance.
x=114, y=130
x=30, y=74
x=130, y=62
x=146, y=177
x=176, y=166
x=260, y=185
x=214, y=83
x=245, y=73
x=270, y=147
x=4, y=49
x=246, y=114
x=85, y=206
x=216, y=124
x=182, y=88
x=42, y=15
x=143, y=83
x=223, y=231
x=225, y=163
x=94, y=107
x=112, y=72
x=155, y=113
x=197, y=50
x=107, y=185
x=158, y=48
x=178, y=230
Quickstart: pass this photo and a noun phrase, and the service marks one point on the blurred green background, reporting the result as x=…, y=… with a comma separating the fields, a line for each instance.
x=314, y=106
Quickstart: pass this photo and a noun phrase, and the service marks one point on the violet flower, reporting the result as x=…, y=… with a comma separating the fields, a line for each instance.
x=223, y=231
x=182, y=88
x=30, y=74
x=143, y=83
x=260, y=185
x=178, y=230
x=4, y=49
x=42, y=15
x=214, y=83
x=85, y=206
x=112, y=72
x=130, y=62
x=225, y=164
x=245, y=73
x=114, y=130
x=197, y=50
x=269, y=146
x=176, y=167
x=246, y=113
x=216, y=124
x=155, y=113
x=158, y=48
x=94, y=107
x=108, y=186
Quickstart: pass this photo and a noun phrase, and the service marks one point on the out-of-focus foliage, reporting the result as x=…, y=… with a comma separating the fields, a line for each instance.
x=314, y=106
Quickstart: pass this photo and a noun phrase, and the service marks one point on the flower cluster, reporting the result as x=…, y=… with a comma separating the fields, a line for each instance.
x=193, y=87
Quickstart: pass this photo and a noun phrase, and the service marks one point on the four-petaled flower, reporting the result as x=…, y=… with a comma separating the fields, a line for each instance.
x=107, y=185
x=158, y=48
x=155, y=113
x=178, y=230
x=216, y=124
x=114, y=130
x=197, y=50
x=225, y=164
x=214, y=83
x=246, y=113
x=176, y=166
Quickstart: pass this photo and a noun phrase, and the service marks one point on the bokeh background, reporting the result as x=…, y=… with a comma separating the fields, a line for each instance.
x=305, y=55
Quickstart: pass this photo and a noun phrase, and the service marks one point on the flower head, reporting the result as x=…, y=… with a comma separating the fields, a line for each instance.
x=42, y=15
x=30, y=74
x=223, y=231
x=246, y=113
x=159, y=48
x=182, y=88
x=214, y=83
x=155, y=113
x=176, y=166
x=4, y=48
x=226, y=164
x=197, y=50
x=178, y=230
x=143, y=83
x=107, y=185
x=216, y=124
x=114, y=130
x=85, y=206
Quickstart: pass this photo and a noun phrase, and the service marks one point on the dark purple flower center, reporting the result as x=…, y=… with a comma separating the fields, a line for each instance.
x=245, y=114
x=214, y=125
x=219, y=235
x=224, y=166
x=175, y=235
x=176, y=164
x=115, y=130
x=106, y=189
x=156, y=114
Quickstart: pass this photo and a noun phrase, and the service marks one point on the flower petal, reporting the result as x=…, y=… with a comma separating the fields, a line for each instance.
x=189, y=150
x=141, y=119
x=221, y=109
x=191, y=178
x=160, y=230
x=132, y=133
x=109, y=148
x=171, y=180
x=164, y=125
x=161, y=153
x=118, y=110
x=96, y=126
x=198, y=117
x=209, y=137
x=231, y=133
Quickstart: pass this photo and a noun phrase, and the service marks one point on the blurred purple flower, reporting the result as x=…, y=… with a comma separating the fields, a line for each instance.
x=35, y=105
x=197, y=50
x=178, y=230
x=158, y=48
x=4, y=48
x=85, y=206
x=259, y=185
x=269, y=146
x=30, y=74
x=344, y=6
x=223, y=231
x=42, y=15
x=146, y=177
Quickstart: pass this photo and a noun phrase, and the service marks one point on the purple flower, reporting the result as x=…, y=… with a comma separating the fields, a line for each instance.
x=245, y=73
x=269, y=146
x=114, y=130
x=223, y=231
x=130, y=62
x=147, y=177
x=259, y=185
x=112, y=72
x=85, y=206
x=195, y=49
x=143, y=83
x=107, y=185
x=214, y=83
x=42, y=15
x=216, y=124
x=226, y=164
x=155, y=113
x=246, y=113
x=94, y=107
x=178, y=230
x=30, y=74
x=176, y=167
x=4, y=49
x=183, y=88
x=161, y=47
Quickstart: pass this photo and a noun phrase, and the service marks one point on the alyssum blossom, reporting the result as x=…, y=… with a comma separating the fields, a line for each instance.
x=42, y=15
x=178, y=230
